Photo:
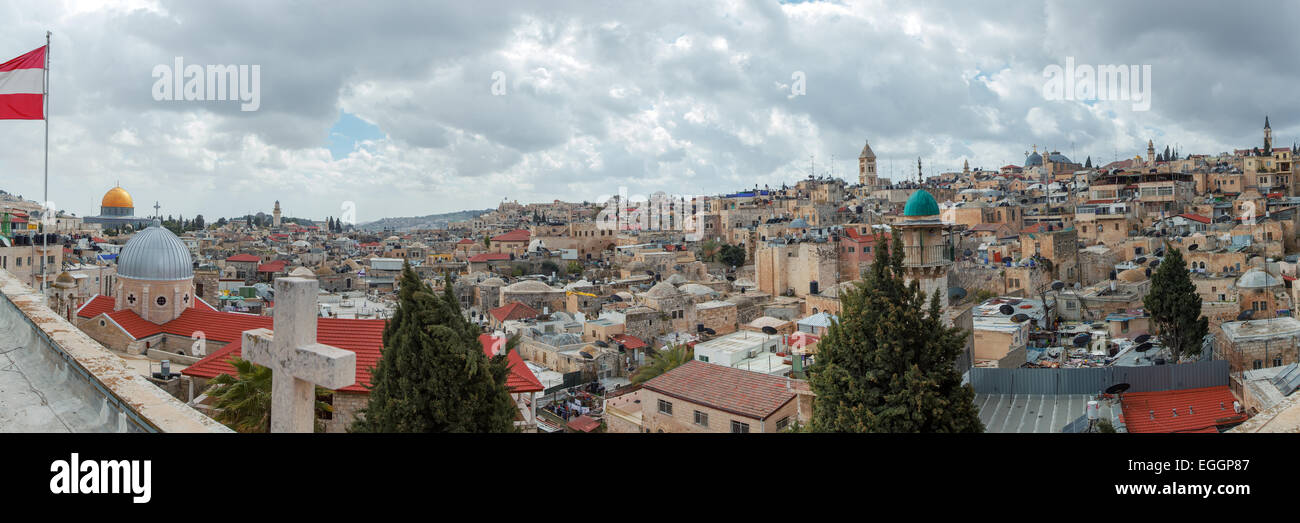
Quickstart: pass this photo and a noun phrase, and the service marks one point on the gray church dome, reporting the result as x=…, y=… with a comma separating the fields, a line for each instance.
x=155, y=254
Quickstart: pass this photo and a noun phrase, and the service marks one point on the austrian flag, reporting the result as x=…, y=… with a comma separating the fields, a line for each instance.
x=22, y=87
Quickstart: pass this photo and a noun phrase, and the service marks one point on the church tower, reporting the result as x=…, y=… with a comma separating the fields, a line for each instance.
x=927, y=250
x=275, y=215
x=867, y=175
x=965, y=172
x=1151, y=153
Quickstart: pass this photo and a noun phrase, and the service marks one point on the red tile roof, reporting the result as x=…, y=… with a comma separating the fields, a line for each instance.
x=275, y=266
x=628, y=342
x=98, y=304
x=364, y=337
x=246, y=258
x=738, y=391
x=517, y=235
x=583, y=423
x=1195, y=217
x=514, y=311
x=521, y=378
x=1197, y=410
x=465, y=241
x=489, y=256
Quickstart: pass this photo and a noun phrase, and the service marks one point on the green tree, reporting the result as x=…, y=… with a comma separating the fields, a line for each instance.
x=244, y=403
x=574, y=267
x=1175, y=307
x=434, y=376
x=733, y=255
x=662, y=361
x=888, y=365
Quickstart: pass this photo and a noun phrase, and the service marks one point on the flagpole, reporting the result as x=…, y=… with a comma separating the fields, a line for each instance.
x=45, y=242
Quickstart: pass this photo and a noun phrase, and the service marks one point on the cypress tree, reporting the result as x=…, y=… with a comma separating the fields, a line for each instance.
x=434, y=376
x=1175, y=307
x=888, y=364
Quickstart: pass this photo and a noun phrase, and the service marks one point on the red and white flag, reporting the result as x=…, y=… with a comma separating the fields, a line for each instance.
x=22, y=87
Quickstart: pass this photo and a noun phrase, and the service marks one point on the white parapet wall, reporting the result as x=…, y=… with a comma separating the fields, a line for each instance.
x=61, y=380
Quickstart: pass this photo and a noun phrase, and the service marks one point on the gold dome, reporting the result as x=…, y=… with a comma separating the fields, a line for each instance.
x=117, y=197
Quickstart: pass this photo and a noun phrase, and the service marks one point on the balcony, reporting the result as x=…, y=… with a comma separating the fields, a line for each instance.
x=928, y=255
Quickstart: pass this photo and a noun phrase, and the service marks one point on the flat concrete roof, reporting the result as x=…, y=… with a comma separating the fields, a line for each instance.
x=1261, y=329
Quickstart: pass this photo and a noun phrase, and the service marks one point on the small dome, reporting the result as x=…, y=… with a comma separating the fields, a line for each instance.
x=1132, y=275
x=697, y=289
x=65, y=277
x=155, y=254
x=921, y=203
x=676, y=279
x=580, y=284
x=302, y=272
x=1257, y=279
x=493, y=282
x=1033, y=159
x=800, y=223
x=117, y=197
x=529, y=286
x=662, y=290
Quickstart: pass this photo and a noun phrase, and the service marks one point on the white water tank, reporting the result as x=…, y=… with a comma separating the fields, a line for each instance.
x=1094, y=410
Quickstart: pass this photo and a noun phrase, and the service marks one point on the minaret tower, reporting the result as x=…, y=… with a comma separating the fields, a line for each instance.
x=275, y=215
x=927, y=248
x=965, y=172
x=1268, y=137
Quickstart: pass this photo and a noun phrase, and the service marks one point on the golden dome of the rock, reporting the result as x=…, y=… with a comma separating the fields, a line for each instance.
x=117, y=197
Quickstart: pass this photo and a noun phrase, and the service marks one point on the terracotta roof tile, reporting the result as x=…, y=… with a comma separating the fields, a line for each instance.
x=738, y=391
x=1187, y=410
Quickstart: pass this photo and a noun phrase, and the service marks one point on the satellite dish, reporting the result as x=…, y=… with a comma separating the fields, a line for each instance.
x=1192, y=247
x=616, y=297
x=1020, y=318
x=1082, y=340
x=710, y=332
x=1154, y=263
x=1246, y=315
x=602, y=344
x=1006, y=309
x=1142, y=338
x=731, y=278
x=1140, y=260
x=1058, y=285
x=767, y=329
x=1117, y=388
x=1144, y=347
x=956, y=293
x=650, y=273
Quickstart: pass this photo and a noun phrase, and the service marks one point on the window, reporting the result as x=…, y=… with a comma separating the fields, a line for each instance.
x=1259, y=364
x=701, y=419
x=704, y=359
x=782, y=423
x=743, y=428
x=665, y=407
x=1277, y=362
x=161, y=301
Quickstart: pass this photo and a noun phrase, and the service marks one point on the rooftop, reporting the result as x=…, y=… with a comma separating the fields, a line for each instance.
x=741, y=392
x=1238, y=331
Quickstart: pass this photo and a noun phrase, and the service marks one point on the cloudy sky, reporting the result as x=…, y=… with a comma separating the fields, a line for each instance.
x=399, y=107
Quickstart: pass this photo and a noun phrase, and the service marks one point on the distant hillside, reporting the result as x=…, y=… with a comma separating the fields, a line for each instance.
x=432, y=221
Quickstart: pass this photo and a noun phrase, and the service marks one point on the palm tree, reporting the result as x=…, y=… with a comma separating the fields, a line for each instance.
x=709, y=250
x=244, y=403
x=663, y=361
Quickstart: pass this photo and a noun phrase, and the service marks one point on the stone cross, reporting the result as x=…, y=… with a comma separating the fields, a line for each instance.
x=296, y=361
